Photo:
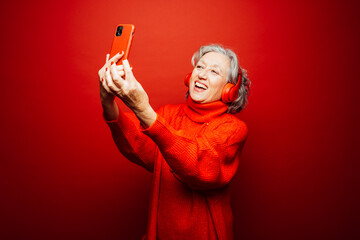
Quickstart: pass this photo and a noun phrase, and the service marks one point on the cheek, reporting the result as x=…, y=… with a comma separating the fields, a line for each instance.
x=192, y=77
x=219, y=85
x=191, y=82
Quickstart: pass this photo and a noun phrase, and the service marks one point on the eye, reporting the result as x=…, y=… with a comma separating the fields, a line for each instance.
x=215, y=72
x=199, y=66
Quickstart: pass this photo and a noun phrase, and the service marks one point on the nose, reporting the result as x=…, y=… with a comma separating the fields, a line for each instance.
x=203, y=74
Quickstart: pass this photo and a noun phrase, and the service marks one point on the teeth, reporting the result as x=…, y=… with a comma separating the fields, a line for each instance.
x=200, y=85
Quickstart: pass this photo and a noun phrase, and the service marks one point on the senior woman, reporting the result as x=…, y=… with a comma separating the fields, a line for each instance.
x=192, y=149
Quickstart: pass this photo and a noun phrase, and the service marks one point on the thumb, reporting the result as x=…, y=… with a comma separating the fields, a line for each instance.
x=127, y=68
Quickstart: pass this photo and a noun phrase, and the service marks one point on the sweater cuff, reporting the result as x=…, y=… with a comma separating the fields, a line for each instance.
x=154, y=128
x=122, y=120
x=110, y=121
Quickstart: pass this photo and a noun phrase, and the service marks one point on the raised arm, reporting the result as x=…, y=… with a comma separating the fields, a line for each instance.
x=125, y=128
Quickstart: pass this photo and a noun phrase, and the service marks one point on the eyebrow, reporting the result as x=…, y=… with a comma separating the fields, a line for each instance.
x=213, y=65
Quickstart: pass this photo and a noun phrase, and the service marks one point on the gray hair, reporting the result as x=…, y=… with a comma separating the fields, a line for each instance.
x=241, y=101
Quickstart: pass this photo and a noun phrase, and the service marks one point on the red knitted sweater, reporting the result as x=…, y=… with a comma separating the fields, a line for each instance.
x=193, y=150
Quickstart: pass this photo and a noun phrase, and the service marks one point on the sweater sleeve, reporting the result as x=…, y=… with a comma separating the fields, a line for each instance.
x=207, y=161
x=131, y=141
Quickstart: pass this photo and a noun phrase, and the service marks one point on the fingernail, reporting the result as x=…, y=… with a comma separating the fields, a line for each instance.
x=106, y=69
x=111, y=63
x=102, y=79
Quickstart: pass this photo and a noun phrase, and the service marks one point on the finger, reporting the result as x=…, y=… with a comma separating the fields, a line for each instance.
x=101, y=73
x=117, y=79
x=102, y=70
x=109, y=81
x=106, y=79
x=117, y=57
x=121, y=74
x=105, y=86
x=127, y=68
x=119, y=67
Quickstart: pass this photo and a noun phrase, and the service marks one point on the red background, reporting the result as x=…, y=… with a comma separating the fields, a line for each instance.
x=63, y=178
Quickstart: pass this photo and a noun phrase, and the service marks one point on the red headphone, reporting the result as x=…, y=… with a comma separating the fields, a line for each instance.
x=230, y=91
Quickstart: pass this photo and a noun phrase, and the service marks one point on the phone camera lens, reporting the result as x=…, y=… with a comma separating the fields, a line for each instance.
x=119, y=31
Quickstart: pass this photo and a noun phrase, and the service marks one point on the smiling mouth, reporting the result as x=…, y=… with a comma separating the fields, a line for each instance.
x=200, y=85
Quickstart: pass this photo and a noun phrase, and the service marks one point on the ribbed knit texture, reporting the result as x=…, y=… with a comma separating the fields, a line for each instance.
x=195, y=149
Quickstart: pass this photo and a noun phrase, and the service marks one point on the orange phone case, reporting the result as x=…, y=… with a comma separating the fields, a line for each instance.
x=122, y=40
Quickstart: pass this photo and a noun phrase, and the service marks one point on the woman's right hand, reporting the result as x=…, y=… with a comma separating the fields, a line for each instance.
x=106, y=95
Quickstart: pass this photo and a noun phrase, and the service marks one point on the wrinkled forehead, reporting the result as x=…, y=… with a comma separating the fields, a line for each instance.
x=216, y=59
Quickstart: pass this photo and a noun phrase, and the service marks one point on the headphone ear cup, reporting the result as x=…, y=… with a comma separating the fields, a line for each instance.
x=226, y=95
x=187, y=79
x=230, y=91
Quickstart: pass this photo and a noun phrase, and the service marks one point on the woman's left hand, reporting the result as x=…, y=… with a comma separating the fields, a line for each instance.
x=129, y=90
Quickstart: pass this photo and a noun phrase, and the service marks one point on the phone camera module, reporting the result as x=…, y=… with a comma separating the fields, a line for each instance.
x=119, y=31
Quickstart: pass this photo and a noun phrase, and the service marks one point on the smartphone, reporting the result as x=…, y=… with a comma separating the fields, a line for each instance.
x=122, y=40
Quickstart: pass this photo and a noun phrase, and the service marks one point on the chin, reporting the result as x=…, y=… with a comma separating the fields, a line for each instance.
x=203, y=99
x=196, y=99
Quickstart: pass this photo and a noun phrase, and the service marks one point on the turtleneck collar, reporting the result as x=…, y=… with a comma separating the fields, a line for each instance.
x=204, y=112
